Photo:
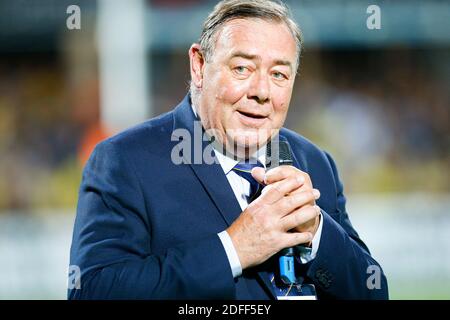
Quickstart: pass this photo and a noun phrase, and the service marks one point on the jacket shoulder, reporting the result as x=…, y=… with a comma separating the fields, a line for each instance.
x=148, y=133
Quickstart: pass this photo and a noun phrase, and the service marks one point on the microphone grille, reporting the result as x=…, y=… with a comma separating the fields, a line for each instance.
x=278, y=154
x=285, y=154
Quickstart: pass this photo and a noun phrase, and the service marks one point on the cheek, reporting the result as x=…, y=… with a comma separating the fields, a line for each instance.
x=231, y=92
x=224, y=95
x=281, y=107
x=228, y=95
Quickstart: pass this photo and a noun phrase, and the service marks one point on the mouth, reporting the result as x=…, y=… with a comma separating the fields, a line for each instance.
x=251, y=119
x=252, y=115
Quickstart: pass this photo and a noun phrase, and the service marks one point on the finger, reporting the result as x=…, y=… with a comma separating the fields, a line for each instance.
x=280, y=173
x=291, y=202
x=292, y=239
x=273, y=193
x=300, y=217
x=304, y=187
x=258, y=173
x=279, y=184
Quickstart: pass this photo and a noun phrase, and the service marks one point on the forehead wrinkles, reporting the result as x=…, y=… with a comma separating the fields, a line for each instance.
x=238, y=31
x=223, y=39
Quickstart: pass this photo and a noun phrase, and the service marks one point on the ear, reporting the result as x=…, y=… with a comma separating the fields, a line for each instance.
x=197, y=65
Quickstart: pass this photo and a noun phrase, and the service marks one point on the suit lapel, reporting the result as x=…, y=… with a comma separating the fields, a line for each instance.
x=217, y=186
x=211, y=176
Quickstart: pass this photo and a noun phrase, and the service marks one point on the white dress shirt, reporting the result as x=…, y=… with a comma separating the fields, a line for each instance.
x=241, y=190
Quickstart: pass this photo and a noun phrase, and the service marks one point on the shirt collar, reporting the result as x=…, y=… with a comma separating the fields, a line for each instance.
x=227, y=163
x=194, y=109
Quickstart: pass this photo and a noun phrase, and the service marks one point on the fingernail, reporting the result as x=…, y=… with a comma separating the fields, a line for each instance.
x=265, y=179
x=317, y=209
x=316, y=194
x=300, y=179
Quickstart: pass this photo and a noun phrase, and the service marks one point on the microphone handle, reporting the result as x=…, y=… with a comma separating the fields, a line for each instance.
x=286, y=256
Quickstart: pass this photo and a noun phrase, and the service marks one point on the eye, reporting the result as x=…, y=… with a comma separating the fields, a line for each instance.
x=241, y=70
x=279, y=76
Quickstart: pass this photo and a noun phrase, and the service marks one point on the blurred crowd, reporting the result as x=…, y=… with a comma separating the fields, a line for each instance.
x=382, y=112
x=39, y=132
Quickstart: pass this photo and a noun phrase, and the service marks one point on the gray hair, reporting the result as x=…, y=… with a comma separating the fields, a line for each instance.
x=227, y=10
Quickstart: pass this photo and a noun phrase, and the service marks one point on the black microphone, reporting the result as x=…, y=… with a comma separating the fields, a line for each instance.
x=278, y=153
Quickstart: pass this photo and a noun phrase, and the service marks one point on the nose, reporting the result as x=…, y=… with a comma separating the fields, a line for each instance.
x=259, y=88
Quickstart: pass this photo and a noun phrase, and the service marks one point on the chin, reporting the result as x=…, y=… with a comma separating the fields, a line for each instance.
x=243, y=138
x=243, y=146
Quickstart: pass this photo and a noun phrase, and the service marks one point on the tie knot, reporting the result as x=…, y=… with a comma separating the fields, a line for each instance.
x=247, y=166
x=244, y=169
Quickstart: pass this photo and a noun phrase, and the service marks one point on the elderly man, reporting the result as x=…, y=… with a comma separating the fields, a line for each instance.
x=156, y=221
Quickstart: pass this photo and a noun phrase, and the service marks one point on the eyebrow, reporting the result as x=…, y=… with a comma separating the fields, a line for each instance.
x=241, y=54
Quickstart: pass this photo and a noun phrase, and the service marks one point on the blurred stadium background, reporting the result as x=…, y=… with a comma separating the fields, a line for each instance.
x=378, y=100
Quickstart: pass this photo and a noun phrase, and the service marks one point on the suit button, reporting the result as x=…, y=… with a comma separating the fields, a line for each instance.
x=324, y=278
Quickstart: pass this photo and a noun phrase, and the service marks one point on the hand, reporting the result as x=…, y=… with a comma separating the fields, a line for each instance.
x=266, y=226
x=280, y=173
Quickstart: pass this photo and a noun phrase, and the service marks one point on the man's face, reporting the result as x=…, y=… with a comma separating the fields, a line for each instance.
x=246, y=87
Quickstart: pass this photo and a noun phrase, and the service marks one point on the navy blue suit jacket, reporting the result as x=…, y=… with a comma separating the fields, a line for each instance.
x=146, y=228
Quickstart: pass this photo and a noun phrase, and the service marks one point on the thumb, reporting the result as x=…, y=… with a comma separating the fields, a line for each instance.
x=258, y=173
